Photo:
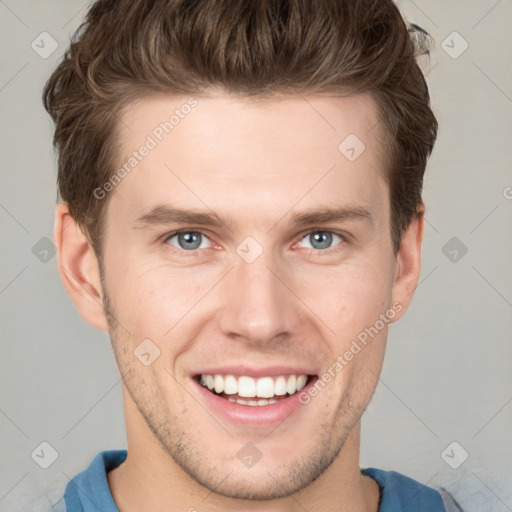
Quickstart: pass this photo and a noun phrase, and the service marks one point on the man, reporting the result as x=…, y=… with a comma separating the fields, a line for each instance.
x=241, y=210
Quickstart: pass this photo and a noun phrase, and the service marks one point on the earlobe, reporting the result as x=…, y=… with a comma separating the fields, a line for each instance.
x=408, y=263
x=78, y=268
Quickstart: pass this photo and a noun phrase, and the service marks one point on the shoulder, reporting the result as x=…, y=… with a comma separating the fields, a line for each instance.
x=399, y=492
x=90, y=487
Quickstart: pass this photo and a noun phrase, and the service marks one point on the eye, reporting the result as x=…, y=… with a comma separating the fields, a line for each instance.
x=187, y=240
x=191, y=241
x=321, y=240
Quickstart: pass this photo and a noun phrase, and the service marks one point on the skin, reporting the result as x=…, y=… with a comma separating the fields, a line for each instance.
x=255, y=164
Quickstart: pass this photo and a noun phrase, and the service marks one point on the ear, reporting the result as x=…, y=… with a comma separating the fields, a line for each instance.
x=79, y=268
x=408, y=264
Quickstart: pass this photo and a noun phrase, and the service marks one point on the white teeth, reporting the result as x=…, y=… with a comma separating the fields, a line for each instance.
x=230, y=385
x=301, y=381
x=219, y=384
x=265, y=387
x=280, y=386
x=292, y=384
x=247, y=387
x=252, y=402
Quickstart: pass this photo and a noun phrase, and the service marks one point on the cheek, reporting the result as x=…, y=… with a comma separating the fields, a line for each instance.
x=156, y=301
x=347, y=298
x=349, y=302
x=160, y=302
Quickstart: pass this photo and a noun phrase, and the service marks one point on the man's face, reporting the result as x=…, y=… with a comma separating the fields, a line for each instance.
x=258, y=292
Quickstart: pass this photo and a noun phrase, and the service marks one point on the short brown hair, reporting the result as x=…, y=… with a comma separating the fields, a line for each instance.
x=128, y=49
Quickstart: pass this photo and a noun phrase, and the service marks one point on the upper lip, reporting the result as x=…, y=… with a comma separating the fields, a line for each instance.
x=269, y=371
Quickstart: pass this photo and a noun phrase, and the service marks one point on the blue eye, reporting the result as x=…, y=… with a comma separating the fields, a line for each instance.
x=192, y=241
x=187, y=240
x=320, y=240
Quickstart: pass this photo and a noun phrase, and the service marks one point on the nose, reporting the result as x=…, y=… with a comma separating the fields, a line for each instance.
x=258, y=305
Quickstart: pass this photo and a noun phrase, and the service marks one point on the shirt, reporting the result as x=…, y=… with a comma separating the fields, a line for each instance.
x=88, y=491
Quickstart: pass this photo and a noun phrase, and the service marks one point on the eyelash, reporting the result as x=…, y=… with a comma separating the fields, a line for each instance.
x=195, y=252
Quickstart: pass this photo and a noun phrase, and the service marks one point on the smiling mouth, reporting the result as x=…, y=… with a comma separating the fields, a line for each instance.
x=245, y=390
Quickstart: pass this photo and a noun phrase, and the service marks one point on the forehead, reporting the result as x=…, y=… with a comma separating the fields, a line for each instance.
x=296, y=120
x=243, y=155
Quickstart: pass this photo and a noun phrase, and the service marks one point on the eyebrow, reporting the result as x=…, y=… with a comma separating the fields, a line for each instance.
x=166, y=214
x=337, y=214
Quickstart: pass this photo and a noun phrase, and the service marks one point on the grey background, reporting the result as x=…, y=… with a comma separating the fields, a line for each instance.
x=446, y=375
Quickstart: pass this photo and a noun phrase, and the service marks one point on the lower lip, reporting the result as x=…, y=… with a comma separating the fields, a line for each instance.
x=257, y=415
